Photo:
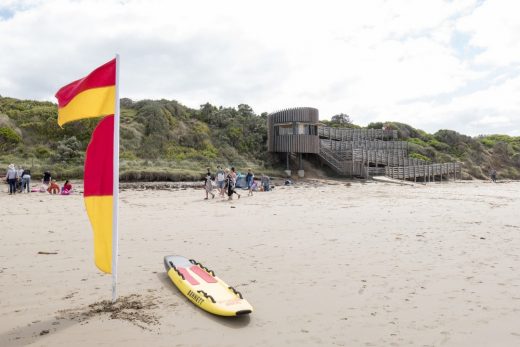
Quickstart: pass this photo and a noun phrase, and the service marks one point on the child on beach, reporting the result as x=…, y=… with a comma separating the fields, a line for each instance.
x=54, y=188
x=67, y=188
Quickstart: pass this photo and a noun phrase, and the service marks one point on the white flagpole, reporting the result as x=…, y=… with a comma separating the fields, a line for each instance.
x=115, y=215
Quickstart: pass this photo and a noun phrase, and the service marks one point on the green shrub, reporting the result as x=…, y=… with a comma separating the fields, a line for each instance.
x=8, y=138
x=419, y=156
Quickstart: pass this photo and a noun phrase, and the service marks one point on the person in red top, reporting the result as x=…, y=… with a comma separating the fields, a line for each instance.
x=67, y=187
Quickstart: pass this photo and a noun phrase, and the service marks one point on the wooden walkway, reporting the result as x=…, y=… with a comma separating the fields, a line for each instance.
x=428, y=172
x=372, y=152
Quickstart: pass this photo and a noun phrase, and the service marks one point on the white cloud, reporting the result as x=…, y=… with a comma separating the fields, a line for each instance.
x=434, y=64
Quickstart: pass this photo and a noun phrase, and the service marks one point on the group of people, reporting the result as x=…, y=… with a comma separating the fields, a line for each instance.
x=226, y=183
x=19, y=180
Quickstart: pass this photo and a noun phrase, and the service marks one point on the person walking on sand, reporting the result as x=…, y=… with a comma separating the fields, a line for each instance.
x=11, y=177
x=250, y=178
x=221, y=181
x=493, y=175
x=230, y=183
x=208, y=184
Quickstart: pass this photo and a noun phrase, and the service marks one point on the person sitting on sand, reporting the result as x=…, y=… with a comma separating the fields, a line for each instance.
x=208, y=185
x=54, y=188
x=67, y=188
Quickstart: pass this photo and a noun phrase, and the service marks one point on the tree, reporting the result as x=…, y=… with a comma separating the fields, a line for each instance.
x=68, y=150
x=341, y=119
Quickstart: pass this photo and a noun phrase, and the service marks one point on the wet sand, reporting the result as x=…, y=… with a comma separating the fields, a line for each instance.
x=325, y=263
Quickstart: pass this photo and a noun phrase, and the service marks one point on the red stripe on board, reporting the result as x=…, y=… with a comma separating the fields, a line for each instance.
x=203, y=274
x=103, y=76
x=187, y=276
x=99, y=160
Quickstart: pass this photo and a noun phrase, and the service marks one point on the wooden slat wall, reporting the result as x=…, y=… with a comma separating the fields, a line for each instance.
x=368, y=144
x=356, y=134
x=296, y=144
x=293, y=143
x=426, y=171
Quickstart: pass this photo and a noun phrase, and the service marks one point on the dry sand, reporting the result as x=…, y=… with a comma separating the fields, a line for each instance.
x=323, y=263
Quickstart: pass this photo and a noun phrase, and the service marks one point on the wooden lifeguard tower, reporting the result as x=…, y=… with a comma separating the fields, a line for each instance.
x=294, y=130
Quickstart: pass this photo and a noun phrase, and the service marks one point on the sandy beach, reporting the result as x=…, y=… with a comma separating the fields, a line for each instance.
x=324, y=263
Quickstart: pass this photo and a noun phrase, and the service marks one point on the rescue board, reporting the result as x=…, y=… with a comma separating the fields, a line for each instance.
x=202, y=287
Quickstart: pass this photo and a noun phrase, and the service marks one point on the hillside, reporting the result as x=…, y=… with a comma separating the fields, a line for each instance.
x=165, y=140
x=478, y=154
x=160, y=139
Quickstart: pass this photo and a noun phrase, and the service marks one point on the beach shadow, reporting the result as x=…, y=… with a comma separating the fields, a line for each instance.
x=230, y=322
x=30, y=333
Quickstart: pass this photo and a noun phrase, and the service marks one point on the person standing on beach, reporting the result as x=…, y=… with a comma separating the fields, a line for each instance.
x=19, y=174
x=250, y=178
x=26, y=180
x=221, y=181
x=46, y=178
x=266, y=184
x=493, y=175
x=11, y=177
x=208, y=184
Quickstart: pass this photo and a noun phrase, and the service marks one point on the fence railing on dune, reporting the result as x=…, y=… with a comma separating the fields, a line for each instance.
x=365, y=144
x=348, y=134
x=429, y=172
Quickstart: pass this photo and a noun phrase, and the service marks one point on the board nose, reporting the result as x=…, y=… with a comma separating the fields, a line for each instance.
x=167, y=265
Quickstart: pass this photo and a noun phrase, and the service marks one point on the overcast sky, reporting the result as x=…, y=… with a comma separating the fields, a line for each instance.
x=432, y=64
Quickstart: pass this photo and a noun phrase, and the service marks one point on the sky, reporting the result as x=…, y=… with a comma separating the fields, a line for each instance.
x=432, y=64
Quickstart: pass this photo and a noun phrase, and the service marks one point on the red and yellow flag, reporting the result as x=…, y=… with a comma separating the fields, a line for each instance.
x=89, y=97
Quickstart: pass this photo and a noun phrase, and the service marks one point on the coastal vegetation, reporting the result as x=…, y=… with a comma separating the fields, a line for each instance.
x=165, y=140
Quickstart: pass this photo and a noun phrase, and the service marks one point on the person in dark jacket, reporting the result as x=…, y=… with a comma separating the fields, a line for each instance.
x=230, y=183
x=47, y=178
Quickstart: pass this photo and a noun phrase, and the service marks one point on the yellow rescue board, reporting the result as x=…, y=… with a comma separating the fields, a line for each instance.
x=204, y=289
